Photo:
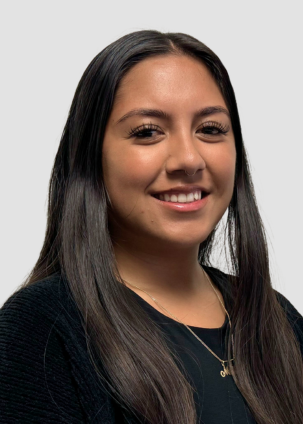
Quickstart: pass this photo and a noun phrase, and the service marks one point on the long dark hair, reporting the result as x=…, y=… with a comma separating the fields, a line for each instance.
x=147, y=380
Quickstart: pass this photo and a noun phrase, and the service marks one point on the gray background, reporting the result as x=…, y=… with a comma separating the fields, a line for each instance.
x=45, y=48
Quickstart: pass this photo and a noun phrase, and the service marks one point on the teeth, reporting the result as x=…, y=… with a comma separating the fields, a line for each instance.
x=190, y=197
x=182, y=197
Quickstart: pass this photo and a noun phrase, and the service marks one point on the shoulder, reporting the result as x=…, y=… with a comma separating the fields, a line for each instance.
x=223, y=281
x=294, y=317
x=46, y=298
x=289, y=308
x=44, y=359
x=34, y=312
x=34, y=359
x=49, y=286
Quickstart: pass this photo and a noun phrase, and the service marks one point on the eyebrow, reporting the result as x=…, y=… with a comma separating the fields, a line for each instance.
x=157, y=113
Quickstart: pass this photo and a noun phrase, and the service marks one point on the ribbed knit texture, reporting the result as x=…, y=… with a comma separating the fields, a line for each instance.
x=46, y=375
x=45, y=372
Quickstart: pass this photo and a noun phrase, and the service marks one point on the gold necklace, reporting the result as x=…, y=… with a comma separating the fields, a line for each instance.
x=225, y=368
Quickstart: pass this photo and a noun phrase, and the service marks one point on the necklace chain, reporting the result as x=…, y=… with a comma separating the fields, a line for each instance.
x=225, y=368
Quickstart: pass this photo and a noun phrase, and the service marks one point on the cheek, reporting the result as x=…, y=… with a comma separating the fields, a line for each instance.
x=129, y=172
x=222, y=168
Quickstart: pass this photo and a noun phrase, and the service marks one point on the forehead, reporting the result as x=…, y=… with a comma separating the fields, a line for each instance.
x=172, y=81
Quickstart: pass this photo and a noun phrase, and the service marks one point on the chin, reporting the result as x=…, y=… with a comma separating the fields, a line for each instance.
x=184, y=239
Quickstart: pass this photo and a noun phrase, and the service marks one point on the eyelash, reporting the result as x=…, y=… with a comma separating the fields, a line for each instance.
x=142, y=129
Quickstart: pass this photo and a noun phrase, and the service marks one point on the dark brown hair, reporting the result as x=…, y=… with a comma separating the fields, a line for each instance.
x=147, y=381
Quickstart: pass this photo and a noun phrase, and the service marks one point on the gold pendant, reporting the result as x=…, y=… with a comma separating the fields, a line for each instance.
x=225, y=372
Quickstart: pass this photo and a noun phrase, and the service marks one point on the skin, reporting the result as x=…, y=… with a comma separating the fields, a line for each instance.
x=156, y=247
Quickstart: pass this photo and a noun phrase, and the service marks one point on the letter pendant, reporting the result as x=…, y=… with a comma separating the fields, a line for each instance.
x=225, y=372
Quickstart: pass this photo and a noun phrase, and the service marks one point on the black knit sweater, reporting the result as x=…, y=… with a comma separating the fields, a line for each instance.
x=46, y=375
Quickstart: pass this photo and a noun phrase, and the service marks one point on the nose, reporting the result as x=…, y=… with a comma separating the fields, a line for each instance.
x=184, y=155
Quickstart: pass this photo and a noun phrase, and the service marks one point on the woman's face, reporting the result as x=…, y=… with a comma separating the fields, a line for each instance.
x=169, y=119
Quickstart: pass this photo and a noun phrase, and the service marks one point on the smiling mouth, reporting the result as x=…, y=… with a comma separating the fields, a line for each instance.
x=191, y=197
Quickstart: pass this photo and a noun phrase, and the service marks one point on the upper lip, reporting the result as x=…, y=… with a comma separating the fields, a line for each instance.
x=181, y=189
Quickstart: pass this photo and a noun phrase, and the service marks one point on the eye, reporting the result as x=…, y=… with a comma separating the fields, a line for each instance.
x=144, y=131
x=214, y=128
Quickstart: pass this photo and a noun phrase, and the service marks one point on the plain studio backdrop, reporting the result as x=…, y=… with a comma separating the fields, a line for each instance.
x=45, y=48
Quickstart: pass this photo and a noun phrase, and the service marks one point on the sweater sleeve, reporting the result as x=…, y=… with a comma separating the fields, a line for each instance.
x=36, y=382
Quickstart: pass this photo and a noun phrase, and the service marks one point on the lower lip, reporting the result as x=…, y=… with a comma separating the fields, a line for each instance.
x=185, y=207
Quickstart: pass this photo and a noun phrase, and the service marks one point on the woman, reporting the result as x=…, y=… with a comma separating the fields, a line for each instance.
x=123, y=318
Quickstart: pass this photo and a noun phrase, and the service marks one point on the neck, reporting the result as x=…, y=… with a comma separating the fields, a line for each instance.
x=161, y=272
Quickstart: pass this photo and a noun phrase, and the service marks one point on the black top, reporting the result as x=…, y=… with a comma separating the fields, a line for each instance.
x=217, y=398
x=46, y=375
